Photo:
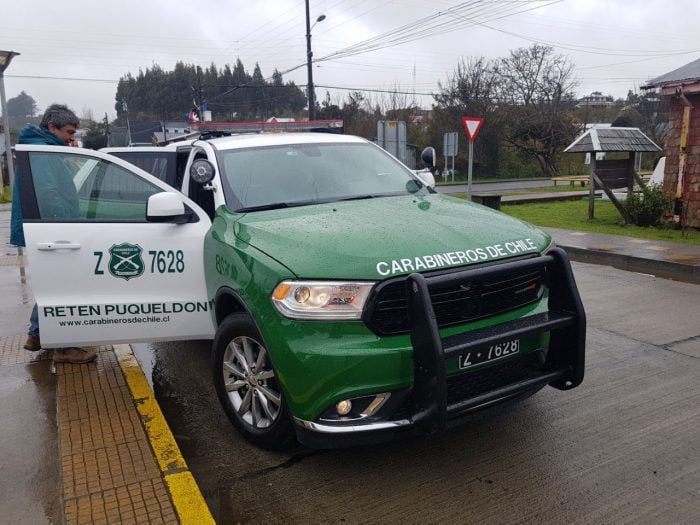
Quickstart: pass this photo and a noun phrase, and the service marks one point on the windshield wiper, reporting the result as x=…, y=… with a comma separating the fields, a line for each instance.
x=276, y=206
x=359, y=197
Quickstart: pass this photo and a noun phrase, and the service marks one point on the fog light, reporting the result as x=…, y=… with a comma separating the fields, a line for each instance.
x=344, y=407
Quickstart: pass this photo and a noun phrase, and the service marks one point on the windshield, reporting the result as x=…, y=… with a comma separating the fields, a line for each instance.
x=302, y=174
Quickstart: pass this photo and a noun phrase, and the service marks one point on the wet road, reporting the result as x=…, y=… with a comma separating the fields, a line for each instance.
x=623, y=447
x=30, y=491
x=29, y=467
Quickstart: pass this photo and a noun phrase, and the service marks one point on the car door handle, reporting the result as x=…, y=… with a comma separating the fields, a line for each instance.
x=57, y=245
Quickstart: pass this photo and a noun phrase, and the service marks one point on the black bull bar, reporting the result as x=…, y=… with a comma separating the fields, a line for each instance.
x=565, y=320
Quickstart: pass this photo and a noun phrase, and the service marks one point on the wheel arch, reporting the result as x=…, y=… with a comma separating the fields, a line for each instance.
x=227, y=302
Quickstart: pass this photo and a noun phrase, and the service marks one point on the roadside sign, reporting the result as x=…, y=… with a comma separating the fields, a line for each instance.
x=391, y=135
x=472, y=125
x=450, y=144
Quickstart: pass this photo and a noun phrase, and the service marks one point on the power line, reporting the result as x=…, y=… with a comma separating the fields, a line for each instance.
x=44, y=77
x=238, y=86
x=591, y=49
x=435, y=24
x=391, y=91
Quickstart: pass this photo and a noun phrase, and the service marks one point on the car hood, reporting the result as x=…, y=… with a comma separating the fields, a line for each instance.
x=378, y=238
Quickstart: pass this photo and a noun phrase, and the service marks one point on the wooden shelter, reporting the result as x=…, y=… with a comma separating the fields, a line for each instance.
x=610, y=174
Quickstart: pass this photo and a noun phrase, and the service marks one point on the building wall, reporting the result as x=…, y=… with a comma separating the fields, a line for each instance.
x=691, y=180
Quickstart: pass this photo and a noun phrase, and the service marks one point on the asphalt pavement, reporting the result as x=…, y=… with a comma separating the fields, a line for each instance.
x=623, y=447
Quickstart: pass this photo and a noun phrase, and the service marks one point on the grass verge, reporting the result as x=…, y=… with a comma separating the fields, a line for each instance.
x=573, y=215
x=6, y=195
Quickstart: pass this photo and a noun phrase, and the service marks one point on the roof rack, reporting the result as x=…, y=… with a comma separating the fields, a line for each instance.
x=335, y=125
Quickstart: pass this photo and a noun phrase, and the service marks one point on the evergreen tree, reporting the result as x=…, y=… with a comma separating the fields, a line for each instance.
x=231, y=93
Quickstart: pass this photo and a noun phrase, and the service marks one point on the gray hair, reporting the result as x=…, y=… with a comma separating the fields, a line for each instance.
x=59, y=115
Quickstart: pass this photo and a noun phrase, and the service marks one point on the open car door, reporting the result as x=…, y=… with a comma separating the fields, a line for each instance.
x=115, y=255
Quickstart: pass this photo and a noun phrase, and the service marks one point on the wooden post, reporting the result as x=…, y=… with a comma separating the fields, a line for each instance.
x=632, y=157
x=591, y=190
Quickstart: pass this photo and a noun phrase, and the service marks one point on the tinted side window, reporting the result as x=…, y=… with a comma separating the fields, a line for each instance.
x=76, y=187
x=159, y=164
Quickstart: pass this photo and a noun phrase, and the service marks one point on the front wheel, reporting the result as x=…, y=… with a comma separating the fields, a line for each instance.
x=246, y=384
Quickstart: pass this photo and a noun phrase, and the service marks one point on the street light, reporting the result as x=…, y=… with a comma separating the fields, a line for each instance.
x=5, y=59
x=309, y=55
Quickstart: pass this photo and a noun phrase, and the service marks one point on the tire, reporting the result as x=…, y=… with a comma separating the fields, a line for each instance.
x=247, y=386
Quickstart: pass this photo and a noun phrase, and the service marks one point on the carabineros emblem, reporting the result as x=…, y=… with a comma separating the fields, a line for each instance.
x=125, y=260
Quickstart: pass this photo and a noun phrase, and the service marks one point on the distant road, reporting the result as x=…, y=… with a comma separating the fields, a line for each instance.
x=495, y=186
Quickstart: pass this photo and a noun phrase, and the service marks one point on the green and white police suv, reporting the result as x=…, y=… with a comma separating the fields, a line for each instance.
x=348, y=302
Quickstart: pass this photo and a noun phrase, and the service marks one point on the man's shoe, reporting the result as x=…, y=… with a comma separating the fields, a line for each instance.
x=73, y=355
x=33, y=343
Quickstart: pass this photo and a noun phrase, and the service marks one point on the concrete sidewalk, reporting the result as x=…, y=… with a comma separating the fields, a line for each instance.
x=670, y=260
x=88, y=444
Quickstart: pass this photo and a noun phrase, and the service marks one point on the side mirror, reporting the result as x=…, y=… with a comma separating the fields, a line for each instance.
x=202, y=171
x=426, y=177
x=166, y=207
x=428, y=157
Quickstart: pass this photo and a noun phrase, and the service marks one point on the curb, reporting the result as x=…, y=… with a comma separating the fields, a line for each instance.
x=665, y=269
x=184, y=492
x=495, y=181
x=532, y=199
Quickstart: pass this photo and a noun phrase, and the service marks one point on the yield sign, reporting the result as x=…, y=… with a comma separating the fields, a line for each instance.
x=472, y=125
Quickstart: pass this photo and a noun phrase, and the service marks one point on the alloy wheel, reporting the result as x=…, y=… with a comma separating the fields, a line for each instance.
x=250, y=382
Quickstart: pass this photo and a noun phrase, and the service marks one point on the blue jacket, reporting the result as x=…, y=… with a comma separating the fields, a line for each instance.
x=31, y=134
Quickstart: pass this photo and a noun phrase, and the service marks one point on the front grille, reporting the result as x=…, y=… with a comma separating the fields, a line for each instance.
x=467, y=385
x=470, y=384
x=457, y=303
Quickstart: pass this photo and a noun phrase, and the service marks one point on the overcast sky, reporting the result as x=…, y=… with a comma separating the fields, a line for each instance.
x=616, y=45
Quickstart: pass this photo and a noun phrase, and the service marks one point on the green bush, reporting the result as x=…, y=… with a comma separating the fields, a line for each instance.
x=648, y=207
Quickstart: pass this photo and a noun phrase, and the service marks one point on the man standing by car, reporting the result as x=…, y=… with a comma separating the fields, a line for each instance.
x=55, y=182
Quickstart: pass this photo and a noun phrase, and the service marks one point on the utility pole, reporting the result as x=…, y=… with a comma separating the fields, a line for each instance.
x=309, y=67
x=200, y=95
x=106, y=123
x=128, y=126
x=6, y=132
x=5, y=59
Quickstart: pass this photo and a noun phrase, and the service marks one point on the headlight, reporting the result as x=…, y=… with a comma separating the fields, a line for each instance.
x=321, y=299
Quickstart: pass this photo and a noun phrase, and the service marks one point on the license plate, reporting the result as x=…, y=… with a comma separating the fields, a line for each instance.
x=491, y=353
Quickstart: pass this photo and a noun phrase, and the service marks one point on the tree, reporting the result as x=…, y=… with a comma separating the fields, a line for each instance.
x=653, y=110
x=22, y=105
x=96, y=136
x=87, y=114
x=538, y=87
x=357, y=118
x=232, y=93
x=471, y=90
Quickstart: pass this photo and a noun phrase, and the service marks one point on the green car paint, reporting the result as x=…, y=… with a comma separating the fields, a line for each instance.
x=319, y=362
x=347, y=240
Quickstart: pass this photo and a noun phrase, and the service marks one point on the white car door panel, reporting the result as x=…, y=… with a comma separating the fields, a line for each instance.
x=99, y=271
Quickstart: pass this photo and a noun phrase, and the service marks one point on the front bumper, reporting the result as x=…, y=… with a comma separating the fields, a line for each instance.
x=431, y=405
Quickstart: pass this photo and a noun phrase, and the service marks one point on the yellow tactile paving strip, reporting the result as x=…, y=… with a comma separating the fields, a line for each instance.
x=109, y=473
x=189, y=502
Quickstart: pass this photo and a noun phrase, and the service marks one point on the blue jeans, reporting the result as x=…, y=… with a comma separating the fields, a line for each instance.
x=34, y=321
